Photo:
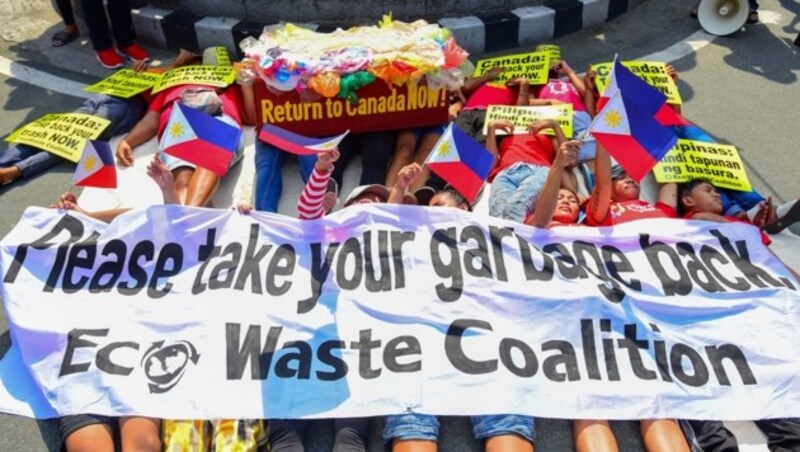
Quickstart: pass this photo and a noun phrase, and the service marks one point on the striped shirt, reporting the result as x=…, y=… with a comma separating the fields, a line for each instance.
x=309, y=206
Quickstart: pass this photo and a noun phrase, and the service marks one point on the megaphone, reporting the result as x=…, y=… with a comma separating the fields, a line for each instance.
x=722, y=17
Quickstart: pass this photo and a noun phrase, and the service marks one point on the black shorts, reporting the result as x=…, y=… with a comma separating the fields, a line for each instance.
x=71, y=424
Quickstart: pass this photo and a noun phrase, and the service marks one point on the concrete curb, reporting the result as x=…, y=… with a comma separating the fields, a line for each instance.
x=478, y=34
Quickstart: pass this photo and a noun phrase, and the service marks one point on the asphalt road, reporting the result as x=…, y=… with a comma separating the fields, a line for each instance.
x=742, y=89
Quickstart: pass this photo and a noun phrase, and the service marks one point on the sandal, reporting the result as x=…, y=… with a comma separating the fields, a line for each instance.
x=62, y=38
x=752, y=18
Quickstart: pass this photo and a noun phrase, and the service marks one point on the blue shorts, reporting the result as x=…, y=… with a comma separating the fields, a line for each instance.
x=424, y=427
x=411, y=426
x=420, y=132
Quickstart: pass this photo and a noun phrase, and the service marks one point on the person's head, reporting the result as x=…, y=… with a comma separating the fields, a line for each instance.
x=568, y=207
x=698, y=195
x=623, y=187
x=450, y=197
x=367, y=194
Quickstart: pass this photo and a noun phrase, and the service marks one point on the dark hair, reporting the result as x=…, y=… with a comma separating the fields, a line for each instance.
x=456, y=195
x=686, y=188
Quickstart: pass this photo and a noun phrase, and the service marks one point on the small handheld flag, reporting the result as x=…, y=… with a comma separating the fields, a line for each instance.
x=649, y=99
x=461, y=161
x=631, y=135
x=298, y=144
x=96, y=166
x=200, y=139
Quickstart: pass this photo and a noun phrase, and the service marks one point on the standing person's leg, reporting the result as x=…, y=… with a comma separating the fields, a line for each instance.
x=70, y=31
x=712, y=436
x=662, y=435
x=269, y=181
x=65, y=11
x=87, y=433
x=376, y=151
x=307, y=163
x=347, y=149
x=505, y=432
x=140, y=434
x=412, y=432
x=95, y=15
x=593, y=436
x=286, y=435
x=783, y=435
x=404, y=150
x=119, y=11
x=351, y=434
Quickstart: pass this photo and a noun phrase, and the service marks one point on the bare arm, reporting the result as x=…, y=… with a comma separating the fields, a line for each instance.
x=472, y=83
x=601, y=195
x=145, y=129
x=491, y=137
x=563, y=68
x=548, y=198
x=588, y=96
x=668, y=194
x=405, y=178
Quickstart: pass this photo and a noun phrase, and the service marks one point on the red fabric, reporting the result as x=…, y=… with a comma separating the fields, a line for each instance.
x=764, y=237
x=162, y=103
x=534, y=149
x=487, y=95
x=563, y=91
x=625, y=211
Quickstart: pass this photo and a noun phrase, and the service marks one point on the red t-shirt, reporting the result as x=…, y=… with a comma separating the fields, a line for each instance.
x=562, y=91
x=163, y=101
x=625, y=211
x=487, y=95
x=764, y=238
x=533, y=149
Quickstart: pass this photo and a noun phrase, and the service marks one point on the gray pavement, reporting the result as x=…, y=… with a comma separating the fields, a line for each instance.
x=742, y=89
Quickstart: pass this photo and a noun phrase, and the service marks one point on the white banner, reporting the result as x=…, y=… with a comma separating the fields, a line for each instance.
x=195, y=313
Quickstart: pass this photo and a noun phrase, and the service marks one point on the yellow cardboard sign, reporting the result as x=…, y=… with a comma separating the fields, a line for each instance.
x=534, y=66
x=62, y=134
x=720, y=164
x=553, y=50
x=223, y=57
x=522, y=117
x=219, y=76
x=125, y=83
x=654, y=73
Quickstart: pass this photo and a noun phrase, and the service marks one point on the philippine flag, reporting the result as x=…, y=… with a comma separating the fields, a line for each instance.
x=96, y=166
x=651, y=101
x=631, y=135
x=298, y=144
x=200, y=139
x=461, y=161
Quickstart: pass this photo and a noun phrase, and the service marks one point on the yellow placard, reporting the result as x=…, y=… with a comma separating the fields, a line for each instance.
x=223, y=57
x=219, y=76
x=720, y=164
x=534, y=66
x=553, y=50
x=62, y=134
x=125, y=83
x=522, y=117
x=654, y=73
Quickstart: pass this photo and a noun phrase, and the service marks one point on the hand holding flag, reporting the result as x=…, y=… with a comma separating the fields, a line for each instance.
x=461, y=161
x=298, y=144
x=96, y=166
x=200, y=139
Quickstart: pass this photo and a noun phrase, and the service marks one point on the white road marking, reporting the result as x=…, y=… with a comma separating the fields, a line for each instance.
x=41, y=79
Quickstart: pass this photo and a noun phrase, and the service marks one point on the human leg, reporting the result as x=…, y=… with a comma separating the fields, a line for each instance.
x=237, y=434
x=286, y=435
x=269, y=182
x=503, y=186
x=87, y=433
x=593, y=436
x=412, y=432
x=783, y=435
x=711, y=436
x=182, y=176
x=96, y=21
x=123, y=113
x=662, y=435
x=522, y=201
x=202, y=186
x=307, y=163
x=351, y=434
x=505, y=432
x=376, y=150
x=403, y=155
x=24, y=161
x=65, y=11
x=119, y=11
x=140, y=434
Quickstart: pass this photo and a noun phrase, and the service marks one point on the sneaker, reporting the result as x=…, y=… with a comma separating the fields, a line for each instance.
x=134, y=52
x=109, y=59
